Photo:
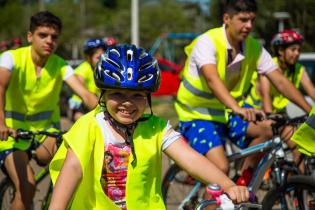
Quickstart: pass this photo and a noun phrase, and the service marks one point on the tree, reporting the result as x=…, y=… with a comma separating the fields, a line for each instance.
x=302, y=18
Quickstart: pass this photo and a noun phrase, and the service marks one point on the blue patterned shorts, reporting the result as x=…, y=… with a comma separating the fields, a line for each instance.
x=204, y=135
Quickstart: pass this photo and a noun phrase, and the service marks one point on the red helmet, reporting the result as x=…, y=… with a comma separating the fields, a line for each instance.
x=16, y=41
x=287, y=37
x=3, y=43
x=110, y=41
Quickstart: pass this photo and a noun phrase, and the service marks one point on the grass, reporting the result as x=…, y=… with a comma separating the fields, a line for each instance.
x=163, y=106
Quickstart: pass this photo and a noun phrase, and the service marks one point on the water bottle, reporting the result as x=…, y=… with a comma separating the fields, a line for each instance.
x=245, y=178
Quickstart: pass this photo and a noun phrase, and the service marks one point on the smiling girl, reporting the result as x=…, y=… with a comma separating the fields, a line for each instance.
x=112, y=157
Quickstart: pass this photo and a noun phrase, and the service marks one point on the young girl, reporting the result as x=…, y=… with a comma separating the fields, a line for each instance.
x=112, y=157
x=287, y=48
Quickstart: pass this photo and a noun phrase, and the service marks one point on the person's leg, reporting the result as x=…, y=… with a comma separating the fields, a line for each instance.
x=20, y=172
x=46, y=151
x=286, y=134
x=259, y=132
x=204, y=137
x=245, y=134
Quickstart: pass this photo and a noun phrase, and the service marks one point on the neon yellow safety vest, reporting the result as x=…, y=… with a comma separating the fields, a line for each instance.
x=86, y=71
x=253, y=98
x=143, y=187
x=195, y=100
x=304, y=137
x=32, y=103
x=279, y=102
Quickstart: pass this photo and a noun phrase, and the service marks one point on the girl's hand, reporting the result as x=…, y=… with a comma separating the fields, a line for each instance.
x=238, y=194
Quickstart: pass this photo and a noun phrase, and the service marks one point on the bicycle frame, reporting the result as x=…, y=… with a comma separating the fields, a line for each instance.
x=41, y=174
x=273, y=145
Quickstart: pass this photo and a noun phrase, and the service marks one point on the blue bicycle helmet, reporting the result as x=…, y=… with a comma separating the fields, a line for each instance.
x=127, y=67
x=91, y=44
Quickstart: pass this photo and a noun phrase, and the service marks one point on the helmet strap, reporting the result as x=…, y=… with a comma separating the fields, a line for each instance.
x=127, y=130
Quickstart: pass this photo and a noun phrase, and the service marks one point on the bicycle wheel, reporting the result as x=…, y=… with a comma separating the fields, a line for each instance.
x=297, y=193
x=7, y=192
x=176, y=187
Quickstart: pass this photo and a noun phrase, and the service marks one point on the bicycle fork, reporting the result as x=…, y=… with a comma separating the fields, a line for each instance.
x=189, y=197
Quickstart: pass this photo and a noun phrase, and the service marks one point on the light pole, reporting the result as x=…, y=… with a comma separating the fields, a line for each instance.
x=135, y=22
x=281, y=16
x=41, y=5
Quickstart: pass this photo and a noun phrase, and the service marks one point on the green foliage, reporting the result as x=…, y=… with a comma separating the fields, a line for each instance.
x=12, y=20
x=84, y=19
x=162, y=18
x=302, y=18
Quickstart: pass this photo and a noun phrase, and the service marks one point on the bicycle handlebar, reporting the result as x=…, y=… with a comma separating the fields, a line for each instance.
x=223, y=200
x=227, y=204
x=29, y=135
x=281, y=120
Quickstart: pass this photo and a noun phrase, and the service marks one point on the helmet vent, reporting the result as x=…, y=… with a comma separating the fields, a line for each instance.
x=115, y=52
x=129, y=55
x=145, y=66
x=112, y=62
x=143, y=54
x=145, y=78
x=129, y=73
x=112, y=75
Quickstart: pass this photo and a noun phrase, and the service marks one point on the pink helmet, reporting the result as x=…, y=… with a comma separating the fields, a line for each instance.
x=287, y=37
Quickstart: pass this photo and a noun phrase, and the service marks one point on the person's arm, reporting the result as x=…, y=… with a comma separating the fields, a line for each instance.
x=264, y=90
x=67, y=182
x=285, y=87
x=88, y=98
x=201, y=168
x=308, y=85
x=80, y=77
x=216, y=85
x=4, y=82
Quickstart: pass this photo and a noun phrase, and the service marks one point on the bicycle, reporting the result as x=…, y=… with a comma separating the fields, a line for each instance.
x=7, y=190
x=287, y=181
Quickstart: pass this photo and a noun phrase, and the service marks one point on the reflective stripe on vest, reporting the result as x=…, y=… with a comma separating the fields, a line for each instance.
x=311, y=121
x=195, y=91
x=35, y=117
x=206, y=111
x=200, y=93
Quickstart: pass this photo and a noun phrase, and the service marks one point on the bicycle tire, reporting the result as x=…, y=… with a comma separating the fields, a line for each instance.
x=7, y=191
x=176, y=185
x=295, y=194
